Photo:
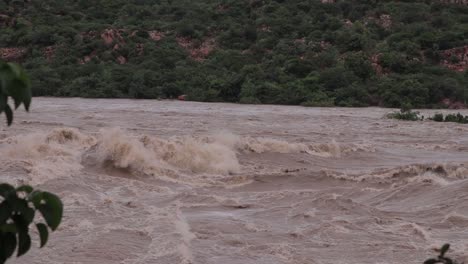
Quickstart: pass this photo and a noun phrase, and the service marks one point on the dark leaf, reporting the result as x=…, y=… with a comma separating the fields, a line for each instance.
x=24, y=243
x=5, y=77
x=43, y=233
x=15, y=68
x=36, y=198
x=13, y=201
x=21, y=206
x=5, y=212
x=431, y=261
x=19, y=91
x=25, y=188
x=3, y=258
x=8, y=228
x=3, y=102
x=9, y=244
x=15, y=90
x=9, y=114
x=51, y=210
x=446, y=260
x=444, y=249
x=5, y=189
x=26, y=92
x=27, y=98
x=27, y=213
x=21, y=225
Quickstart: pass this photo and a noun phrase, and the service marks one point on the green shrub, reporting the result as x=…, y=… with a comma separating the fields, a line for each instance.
x=407, y=115
x=319, y=99
x=249, y=100
x=451, y=118
x=457, y=118
x=438, y=117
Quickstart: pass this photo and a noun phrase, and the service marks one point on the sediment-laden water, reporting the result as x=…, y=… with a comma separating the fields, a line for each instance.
x=181, y=182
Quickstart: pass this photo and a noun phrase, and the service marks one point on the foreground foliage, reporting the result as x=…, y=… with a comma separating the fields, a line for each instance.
x=14, y=83
x=348, y=53
x=18, y=206
x=17, y=212
x=441, y=258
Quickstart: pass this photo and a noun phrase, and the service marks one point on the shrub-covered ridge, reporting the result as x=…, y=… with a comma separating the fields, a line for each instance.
x=345, y=53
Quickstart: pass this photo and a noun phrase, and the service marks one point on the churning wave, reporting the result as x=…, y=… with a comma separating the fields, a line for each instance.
x=64, y=151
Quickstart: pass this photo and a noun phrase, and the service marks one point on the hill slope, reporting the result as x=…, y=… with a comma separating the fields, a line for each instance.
x=346, y=53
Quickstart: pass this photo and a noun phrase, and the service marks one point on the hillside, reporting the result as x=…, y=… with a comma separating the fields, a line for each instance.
x=309, y=52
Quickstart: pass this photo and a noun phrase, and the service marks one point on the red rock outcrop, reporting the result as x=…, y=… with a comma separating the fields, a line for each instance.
x=198, y=51
x=456, y=59
x=453, y=104
x=156, y=35
x=264, y=28
x=88, y=58
x=6, y=20
x=458, y=2
x=111, y=36
x=121, y=59
x=49, y=52
x=375, y=62
x=12, y=54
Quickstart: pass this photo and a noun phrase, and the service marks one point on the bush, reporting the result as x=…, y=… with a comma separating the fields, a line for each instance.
x=457, y=118
x=360, y=65
x=438, y=117
x=407, y=115
x=319, y=99
x=249, y=100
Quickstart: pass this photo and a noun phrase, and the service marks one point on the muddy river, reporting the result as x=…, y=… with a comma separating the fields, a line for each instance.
x=146, y=181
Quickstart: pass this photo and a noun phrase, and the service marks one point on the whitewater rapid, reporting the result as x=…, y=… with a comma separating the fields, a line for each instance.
x=147, y=181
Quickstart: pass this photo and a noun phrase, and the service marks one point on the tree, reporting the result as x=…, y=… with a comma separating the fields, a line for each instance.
x=360, y=65
x=18, y=206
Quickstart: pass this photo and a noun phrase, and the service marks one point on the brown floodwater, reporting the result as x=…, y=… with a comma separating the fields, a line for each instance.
x=146, y=181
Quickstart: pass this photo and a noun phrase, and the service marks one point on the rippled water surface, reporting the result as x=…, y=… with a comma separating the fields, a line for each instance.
x=181, y=182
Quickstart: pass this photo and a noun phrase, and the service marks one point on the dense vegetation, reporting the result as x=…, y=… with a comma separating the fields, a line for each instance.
x=410, y=115
x=347, y=53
